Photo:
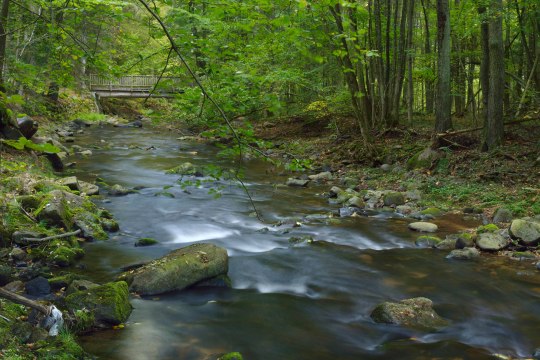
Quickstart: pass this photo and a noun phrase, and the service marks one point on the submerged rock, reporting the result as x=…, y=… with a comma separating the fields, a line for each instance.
x=423, y=226
x=492, y=242
x=416, y=313
x=146, y=242
x=425, y=241
x=179, y=269
x=526, y=230
x=119, y=190
x=464, y=254
x=297, y=182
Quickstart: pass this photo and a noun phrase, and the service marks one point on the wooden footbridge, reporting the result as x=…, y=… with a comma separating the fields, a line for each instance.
x=136, y=86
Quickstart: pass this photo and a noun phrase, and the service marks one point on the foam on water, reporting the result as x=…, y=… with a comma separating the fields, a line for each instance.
x=200, y=232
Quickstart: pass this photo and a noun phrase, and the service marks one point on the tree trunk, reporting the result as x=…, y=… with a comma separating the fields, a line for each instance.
x=430, y=94
x=493, y=127
x=410, y=58
x=4, y=12
x=443, y=120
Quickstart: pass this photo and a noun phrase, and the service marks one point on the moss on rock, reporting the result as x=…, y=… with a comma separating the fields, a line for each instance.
x=109, y=303
x=487, y=228
x=146, y=242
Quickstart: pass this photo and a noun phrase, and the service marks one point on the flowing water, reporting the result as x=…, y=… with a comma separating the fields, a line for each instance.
x=289, y=301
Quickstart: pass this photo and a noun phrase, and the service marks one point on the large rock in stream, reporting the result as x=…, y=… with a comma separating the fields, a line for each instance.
x=526, y=230
x=416, y=313
x=104, y=305
x=178, y=270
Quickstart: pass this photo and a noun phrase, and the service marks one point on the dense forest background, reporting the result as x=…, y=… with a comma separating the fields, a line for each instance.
x=383, y=63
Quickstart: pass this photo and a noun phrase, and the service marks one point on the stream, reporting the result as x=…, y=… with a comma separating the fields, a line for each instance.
x=289, y=301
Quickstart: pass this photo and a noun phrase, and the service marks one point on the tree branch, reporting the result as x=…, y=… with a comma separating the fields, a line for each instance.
x=76, y=232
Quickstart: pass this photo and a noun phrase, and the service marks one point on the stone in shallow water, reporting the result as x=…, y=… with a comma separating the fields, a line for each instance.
x=423, y=226
x=425, y=241
x=414, y=313
x=491, y=242
x=297, y=182
x=526, y=230
x=179, y=269
x=464, y=254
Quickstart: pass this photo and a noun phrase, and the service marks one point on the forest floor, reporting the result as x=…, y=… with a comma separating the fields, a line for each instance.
x=465, y=178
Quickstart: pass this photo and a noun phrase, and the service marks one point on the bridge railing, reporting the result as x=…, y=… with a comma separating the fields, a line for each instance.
x=135, y=83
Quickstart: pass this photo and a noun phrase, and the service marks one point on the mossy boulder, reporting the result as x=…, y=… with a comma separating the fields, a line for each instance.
x=64, y=256
x=63, y=209
x=424, y=159
x=394, y=199
x=146, y=242
x=492, y=241
x=179, y=269
x=56, y=208
x=355, y=201
x=108, y=304
x=416, y=313
x=426, y=241
x=464, y=240
x=526, y=230
x=109, y=225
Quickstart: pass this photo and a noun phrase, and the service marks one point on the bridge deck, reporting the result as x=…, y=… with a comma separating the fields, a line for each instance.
x=136, y=86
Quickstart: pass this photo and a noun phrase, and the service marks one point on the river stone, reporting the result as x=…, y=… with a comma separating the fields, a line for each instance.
x=426, y=241
x=447, y=244
x=527, y=231
x=416, y=313
x=88, y=188
x=297, y=182
x=502, y=215
x=491, y=242
x=325, y=175
x=80, y=285
x=119, y=190
x=55, y=210
x=109, y=303
x=423, y=226
x=335, y=191
x=178, y=269
x=423, y=159
x=18, y=254
x=355, y=201
x=70, y=181
x=38, y=287
x=464, y=240
x=5, y=274
x=394, y=199
x=464, y=254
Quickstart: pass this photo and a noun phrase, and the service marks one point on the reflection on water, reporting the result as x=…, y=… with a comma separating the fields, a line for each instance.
x=290, y=301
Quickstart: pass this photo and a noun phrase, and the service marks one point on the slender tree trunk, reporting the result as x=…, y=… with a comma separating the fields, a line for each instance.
x=430, y=94
x=4, y=12
x=443, y=119
x=484, y=64
x=494, y=126
x=410, y=58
